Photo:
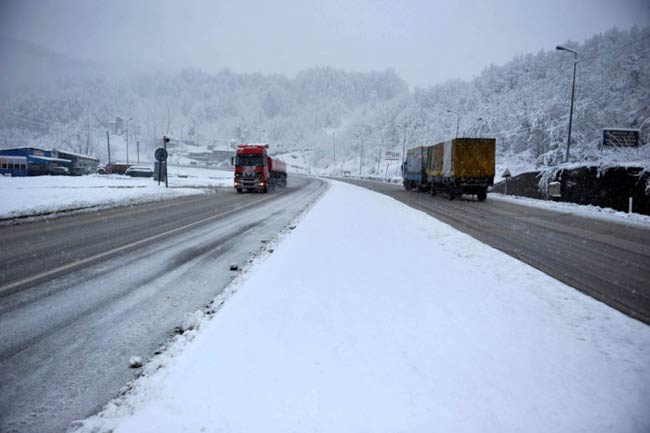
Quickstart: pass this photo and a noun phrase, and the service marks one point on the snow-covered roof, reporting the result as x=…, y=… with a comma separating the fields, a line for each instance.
x=622, y=129
x=78, y=155
x=25, y=147
x=49, y=159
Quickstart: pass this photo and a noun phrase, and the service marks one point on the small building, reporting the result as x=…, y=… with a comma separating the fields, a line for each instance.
x=80, y=164
x=13, y=165
x=39, y=161
x=28, y=151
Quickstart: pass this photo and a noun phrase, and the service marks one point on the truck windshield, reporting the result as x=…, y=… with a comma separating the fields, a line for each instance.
x=249, y=160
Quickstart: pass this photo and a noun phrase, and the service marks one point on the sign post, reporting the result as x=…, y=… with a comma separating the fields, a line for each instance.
x=506, y=175
x=161, y=159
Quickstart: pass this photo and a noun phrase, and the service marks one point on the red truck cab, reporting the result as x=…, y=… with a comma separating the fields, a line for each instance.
x=255, y=170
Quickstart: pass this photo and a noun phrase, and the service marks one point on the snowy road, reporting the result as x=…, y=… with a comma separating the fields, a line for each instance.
x=395, y=322
x=607, y=260
x=80, y=295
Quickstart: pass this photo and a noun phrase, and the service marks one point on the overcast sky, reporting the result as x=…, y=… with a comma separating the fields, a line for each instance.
x=426, y=42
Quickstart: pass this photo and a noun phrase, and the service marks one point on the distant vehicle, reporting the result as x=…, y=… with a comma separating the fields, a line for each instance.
x=414, y=169
x=139, y=171
x=458, y=166
x=114, y=168
x=255, y=170
x=58, y=171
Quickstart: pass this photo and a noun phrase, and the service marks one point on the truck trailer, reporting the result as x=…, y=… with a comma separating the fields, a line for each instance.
x=458, y=166
x=414, y=169
x=461, y=166
x=256, y=171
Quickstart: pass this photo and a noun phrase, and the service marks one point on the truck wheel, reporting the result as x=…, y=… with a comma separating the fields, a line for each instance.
x=452, y=194
x=481, y=195
x=265, y=189
x=239, y=190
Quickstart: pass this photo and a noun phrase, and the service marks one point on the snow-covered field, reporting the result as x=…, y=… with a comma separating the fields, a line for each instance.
x=23, y=196
x=372, y=316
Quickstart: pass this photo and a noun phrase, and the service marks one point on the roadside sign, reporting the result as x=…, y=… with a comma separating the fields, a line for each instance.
x=391, y=156
x=554, y=189
x=160, y=154
x=506, y=174
x=620, y=137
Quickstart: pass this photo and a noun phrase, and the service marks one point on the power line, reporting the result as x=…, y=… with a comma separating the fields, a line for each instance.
x=15, y=118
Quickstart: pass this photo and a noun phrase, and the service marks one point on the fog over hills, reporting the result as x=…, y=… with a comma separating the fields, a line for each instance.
x=27, y=67
x=524, y=104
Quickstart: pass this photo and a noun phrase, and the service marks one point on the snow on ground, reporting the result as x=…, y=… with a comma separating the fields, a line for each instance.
x=23, y=196
x=372, y=316
x=297, y=161
x=590, y=211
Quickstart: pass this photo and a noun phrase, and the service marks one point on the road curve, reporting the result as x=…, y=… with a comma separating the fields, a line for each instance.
x=607, y=260
x=80, y=295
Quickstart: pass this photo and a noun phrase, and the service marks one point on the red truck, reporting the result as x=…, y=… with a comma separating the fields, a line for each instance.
x=114, y=168
x=255, y=170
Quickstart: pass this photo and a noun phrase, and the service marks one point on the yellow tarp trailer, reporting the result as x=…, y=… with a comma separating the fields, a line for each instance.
x=462, y=166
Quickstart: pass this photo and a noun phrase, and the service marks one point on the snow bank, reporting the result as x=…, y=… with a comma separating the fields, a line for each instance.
x=590, y=211
x=372, y=316
x=24, y=196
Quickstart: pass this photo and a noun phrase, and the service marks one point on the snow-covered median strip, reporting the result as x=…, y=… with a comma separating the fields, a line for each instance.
x=589, y=211
x=372, y=316
x=26, y=196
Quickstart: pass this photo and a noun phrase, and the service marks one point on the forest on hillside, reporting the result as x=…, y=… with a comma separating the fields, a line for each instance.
x=524, y=104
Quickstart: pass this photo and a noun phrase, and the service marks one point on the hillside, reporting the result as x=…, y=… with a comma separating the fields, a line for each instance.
x=524, y=104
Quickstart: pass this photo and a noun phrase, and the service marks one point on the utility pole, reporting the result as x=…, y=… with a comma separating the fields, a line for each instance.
x=378, y=161
x=361, y=159
x=137, y=145
x=108, y=142
x=334, y=145
x=404, y=141
x=457, y=119
x=573, y=89
x=127, y=140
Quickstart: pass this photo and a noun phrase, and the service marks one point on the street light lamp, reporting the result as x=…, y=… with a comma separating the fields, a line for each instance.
x=457, y=119
x=573, y=88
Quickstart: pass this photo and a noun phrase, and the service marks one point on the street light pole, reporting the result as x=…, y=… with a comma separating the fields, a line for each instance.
x=573, y=89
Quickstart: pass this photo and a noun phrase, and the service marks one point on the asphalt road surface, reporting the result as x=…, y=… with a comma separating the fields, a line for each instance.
x=80, y=295
x=607, y=260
